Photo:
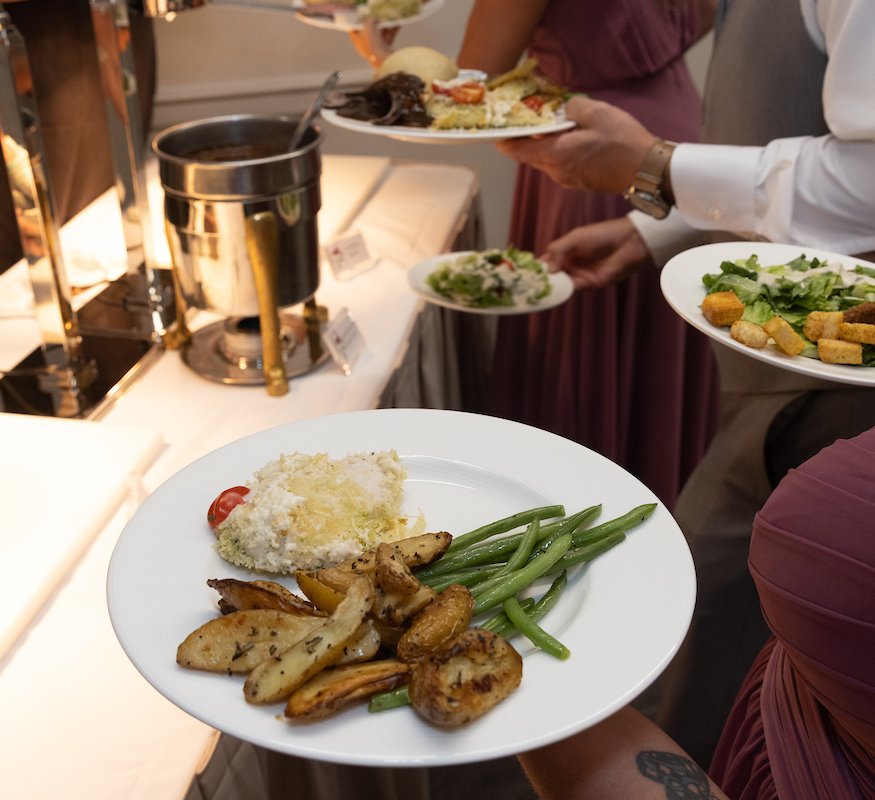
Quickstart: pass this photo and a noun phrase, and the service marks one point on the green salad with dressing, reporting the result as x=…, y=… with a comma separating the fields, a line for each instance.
x=793, y=289
x=491, y=278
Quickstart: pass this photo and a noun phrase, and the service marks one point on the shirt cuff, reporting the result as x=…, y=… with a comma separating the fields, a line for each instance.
x=667, y=237
x=714, y=186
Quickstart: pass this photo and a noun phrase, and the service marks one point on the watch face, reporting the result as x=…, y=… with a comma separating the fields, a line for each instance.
x=652, y=204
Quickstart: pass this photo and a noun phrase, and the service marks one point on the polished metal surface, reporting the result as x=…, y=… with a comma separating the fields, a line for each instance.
x=212, y=187
x=61, y=372
x=230, y=351
x=110, y=20
x=87, y=356
x=312, y=110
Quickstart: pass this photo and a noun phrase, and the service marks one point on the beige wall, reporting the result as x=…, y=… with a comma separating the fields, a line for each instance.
x=225, y=60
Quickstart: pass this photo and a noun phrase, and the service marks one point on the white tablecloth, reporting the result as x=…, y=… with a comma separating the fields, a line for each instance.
x=80, y=722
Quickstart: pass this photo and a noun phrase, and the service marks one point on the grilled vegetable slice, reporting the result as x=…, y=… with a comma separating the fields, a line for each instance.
x=461, y=683
x=333, y=689
x=239, y=641
x=276, y=678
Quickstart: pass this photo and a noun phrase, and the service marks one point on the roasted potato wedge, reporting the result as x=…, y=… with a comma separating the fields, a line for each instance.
x=276, y=678
x=416, y=551
x=323, y=596
x=392, y=574
x=363, y=646
x=335, y=688
x=389, y=634
x=337, y=578
x=397, y=609
x=239, y=641
x=243, y=595
x=437, y=624
x=462, y=682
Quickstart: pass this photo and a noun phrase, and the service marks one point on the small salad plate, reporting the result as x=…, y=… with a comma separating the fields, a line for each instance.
x=561, y=289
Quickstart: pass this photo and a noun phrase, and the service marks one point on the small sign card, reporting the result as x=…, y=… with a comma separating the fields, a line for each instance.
x=348, y=255
x=344, y=340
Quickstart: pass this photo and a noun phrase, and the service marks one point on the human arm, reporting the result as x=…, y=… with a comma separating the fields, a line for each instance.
x=598, y=254
x=623, y=756
x=814, y=191
x=817, y=191
x=496, y=37
x=373, y=44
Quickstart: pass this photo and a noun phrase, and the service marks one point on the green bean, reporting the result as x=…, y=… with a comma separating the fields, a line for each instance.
x=567, y=528
x=517, y=581
x=568, y=525
x=524, y=549
x=394, y=698
x=587, y=552
x=466, y=577
x=500, y=549
x=504, y=525
x=629, y=520
x=534, y=632
x=500, y=623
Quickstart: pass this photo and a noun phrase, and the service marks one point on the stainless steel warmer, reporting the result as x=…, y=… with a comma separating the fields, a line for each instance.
x=241, y=218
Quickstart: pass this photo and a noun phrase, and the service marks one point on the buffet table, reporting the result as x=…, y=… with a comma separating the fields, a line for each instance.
x=80, y=721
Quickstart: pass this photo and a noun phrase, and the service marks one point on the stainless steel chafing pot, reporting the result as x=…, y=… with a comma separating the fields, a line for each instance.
x=241, y=219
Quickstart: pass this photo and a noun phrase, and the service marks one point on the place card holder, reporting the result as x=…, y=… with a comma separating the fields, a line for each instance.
x=343, y=340
x=348, y=255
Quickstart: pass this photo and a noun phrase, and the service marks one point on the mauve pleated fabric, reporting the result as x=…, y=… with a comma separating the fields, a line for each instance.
x=803, y=727
x=615, y=369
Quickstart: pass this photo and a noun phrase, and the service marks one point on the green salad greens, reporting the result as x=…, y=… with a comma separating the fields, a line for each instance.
x=491, y=278
x=793, y=289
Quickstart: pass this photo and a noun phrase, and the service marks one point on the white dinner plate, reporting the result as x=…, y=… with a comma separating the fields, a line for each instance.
x=681, y=282
x=562, y=289
x=623, y=618
x=353, y=21
x=460, y=136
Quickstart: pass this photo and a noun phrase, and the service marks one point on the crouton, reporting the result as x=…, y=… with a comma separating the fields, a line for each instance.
x=785, y=337
x=863, y=312
x=722, y=308
x=749, y=334
x=857, y=332
x=835, y=351
x=822, y=325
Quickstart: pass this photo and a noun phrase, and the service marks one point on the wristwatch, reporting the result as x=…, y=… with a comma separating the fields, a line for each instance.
x=648, y=192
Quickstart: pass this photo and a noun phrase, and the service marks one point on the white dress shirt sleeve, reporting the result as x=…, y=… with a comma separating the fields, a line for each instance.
x=813, y=191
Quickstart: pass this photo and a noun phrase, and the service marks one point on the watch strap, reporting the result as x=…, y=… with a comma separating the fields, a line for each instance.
x=651, y=175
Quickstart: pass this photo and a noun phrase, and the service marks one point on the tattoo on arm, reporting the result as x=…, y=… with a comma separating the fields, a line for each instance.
x=681, y=777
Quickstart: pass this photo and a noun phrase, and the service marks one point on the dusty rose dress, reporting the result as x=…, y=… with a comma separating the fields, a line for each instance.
x=803, y=725
x=614, y=369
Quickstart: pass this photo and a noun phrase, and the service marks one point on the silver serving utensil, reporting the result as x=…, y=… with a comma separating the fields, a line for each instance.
x=313, y=109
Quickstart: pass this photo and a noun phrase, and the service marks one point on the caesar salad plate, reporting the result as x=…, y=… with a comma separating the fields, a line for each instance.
x=681, y=282
x=623, y=616
x=353, y=19
x=453, y=136
x=561, y=289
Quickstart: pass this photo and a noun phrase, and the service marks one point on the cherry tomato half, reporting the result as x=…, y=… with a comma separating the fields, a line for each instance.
x=533, y=102
x=225, y=503
x=468, y=93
